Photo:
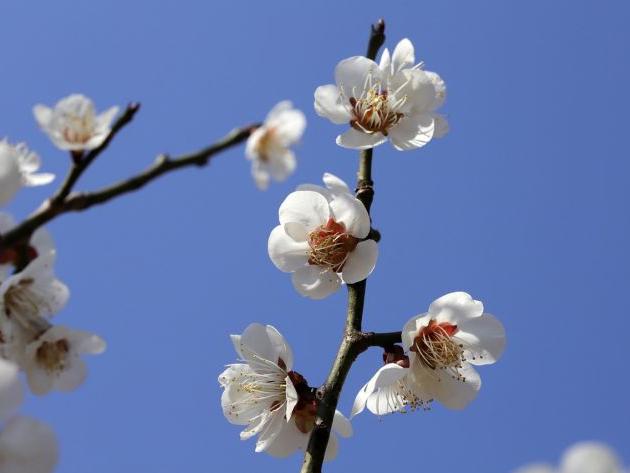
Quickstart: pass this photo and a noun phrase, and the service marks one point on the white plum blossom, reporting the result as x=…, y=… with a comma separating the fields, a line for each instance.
x=583, y=457
x=53, y=361
x=18, y=166
x=274, y=402
x=268, y=146
x=27, y=446
x=321, y=238
x=73, y=123
x=395, y=100
x=440, y=348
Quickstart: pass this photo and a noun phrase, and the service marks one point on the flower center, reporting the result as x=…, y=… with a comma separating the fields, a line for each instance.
x=78, y=129
x=265, y=144
x=375, y=112
x=330, y=245
x=52, y=355
x=436, y=348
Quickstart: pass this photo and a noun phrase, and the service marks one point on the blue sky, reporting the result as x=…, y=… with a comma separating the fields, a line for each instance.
x=524, y=205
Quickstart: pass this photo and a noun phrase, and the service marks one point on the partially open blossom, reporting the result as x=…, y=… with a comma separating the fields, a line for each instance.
x=583, y=457
x=27, y=446
x=268, y=146
x=53, y=361
x=395, y=100
x=18, y=166
x=440, y=348
x=73, y=123
x=321, y=238
x=267, y=396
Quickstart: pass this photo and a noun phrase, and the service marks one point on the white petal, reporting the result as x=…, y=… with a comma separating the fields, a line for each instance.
x=237, y=405
x=39, y=381
x=413, y=131
x=329, y=104
x=96, y=140
x=11, y=392
x=292, y=398
x=590, y=457
x=43, y=115
x=288, y=441
x=282, y=164
x=385, y=401
x=450, y=392
x=350, y=211
x=384, y=377
x=88, y=343
x=277, y=110
x=536, y=468
x=260, y=173
x=28, y=446
x=256, y=343
x=355, y=139
x=41, y=179
x=315, y=282
x=360, y=262
x=439, y=87
x=271, y=430
x=351, y=75
x=441, y=125
x=289, y=126
x=335, y=184
x=105, y=119
x=412, y=328
x=233, y=371
x=296, y=231
x=332, y=448
x=483, y=339
x=455, y=307
x=403, y=56
x=385, y=63
x=72, y=376
x=287, y=254
x=281, y=347
x=342, y=425
x=306, y=207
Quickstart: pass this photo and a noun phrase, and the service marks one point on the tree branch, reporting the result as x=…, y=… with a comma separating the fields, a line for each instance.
x=64, y=202
x=354, y=341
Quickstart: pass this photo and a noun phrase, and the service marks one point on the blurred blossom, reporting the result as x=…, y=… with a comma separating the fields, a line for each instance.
x=73, y=124
x=583, y=457
x=18, y=166
x=268, y=146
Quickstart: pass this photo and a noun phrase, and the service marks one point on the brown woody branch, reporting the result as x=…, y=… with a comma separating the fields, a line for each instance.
x=354, y=341
x=64, y=201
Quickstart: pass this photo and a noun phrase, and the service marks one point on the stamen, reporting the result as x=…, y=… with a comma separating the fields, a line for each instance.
x=52, y=356
x=331, y=245
x=437, y=349
x=376, y=110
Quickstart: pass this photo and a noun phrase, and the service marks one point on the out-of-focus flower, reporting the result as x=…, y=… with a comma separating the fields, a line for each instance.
x=53, y=361
x=440, y=348
x=269, y=398
x=11, y=392
x=27, y=446
x=268, y=146
x=320, y=238
x=18, y=166
x=582, y=457
x=73, y=123
x=393, y=100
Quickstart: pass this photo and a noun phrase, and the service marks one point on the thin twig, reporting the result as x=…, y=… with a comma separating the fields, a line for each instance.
x=354, y=341
x=73, y=202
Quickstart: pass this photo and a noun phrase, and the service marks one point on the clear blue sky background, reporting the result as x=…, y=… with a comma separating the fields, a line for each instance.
x=524, y=205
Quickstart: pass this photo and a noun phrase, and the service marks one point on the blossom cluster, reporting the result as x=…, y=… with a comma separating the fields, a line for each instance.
x=31, y=295
x=324, y=240
x=583, y=457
